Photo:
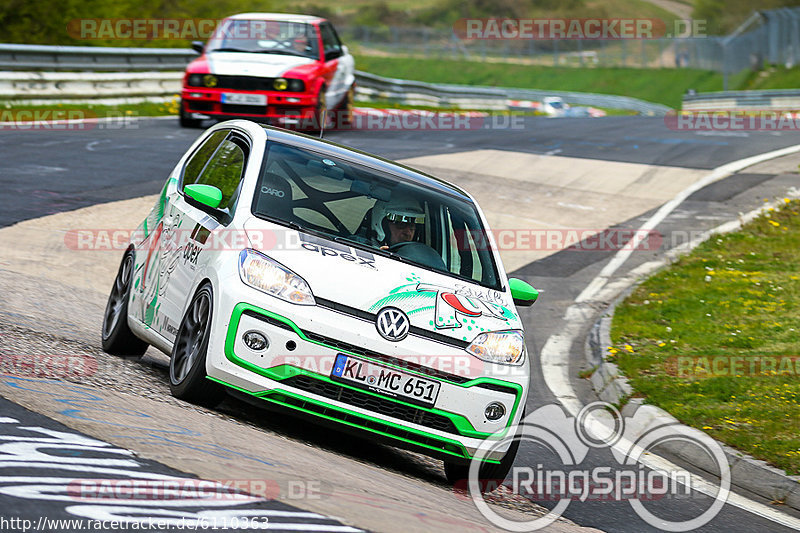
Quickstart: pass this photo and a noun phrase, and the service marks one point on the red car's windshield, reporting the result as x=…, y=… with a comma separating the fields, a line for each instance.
x=265, y=37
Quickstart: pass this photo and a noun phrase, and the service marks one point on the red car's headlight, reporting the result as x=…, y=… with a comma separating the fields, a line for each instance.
x=202, y=80
x=289, y=84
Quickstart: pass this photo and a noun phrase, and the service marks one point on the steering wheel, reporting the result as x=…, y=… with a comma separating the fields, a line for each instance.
x=397, y=246
x=419, y=252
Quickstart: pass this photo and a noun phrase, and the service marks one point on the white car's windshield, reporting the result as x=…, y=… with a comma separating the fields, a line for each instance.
x=266, y=37
x=434, y=227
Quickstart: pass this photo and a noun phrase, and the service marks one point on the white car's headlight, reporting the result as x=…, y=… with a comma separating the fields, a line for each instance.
x=265, y=274
x=503, y=347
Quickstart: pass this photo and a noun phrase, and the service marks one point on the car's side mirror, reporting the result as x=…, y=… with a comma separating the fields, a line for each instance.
x=333, y=54
x=198, y=46
x=345, y=50
x=523, y=293
x=206, y=195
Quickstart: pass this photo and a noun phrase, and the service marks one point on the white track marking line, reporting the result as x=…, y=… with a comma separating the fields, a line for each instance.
x=555, y=352
x=717, y=174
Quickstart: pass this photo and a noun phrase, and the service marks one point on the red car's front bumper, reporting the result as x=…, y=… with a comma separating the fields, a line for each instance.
x=283, y=108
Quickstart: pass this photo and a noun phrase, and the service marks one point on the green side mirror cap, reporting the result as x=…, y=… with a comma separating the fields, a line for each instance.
x=523, y=293
x=205, y=194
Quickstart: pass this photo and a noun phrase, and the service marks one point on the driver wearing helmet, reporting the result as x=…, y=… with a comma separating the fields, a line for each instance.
x=301, y=45
x=396, y=221
x=395, y=226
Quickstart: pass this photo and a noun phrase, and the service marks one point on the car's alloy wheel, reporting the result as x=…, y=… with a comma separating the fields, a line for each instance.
x=117, y=337
x=187, y=364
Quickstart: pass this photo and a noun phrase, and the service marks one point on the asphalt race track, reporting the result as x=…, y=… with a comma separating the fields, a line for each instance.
x=52, y=173
x=62, y=170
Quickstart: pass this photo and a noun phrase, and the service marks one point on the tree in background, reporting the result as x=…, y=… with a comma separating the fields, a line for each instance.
x=47, y=21
x=724, y=16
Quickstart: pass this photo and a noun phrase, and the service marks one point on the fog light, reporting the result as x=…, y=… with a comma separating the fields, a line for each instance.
x=255, y=341
x=494, y=411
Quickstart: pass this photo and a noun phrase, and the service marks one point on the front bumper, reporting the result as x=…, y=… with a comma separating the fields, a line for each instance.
x=300, y=381
x=282, y=107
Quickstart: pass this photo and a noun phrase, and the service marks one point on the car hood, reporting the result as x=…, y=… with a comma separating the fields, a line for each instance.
x=247, y=64
x=363, y=283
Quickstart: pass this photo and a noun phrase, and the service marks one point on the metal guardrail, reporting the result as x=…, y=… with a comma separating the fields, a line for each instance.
x=83, y=86
x=42, y=83
x=773, y=99
x=30, y=57
x=466, y=96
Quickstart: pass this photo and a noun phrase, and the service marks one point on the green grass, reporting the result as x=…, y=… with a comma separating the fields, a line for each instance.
x=171, y=108
x=664, y=86
x=89, y=110
x=736, y=295
x=773, y=78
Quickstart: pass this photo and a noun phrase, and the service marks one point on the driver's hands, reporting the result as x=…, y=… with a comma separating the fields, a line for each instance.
x=384, y=247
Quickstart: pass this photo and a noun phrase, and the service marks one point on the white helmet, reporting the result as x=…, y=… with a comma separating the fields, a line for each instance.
x=402, y=207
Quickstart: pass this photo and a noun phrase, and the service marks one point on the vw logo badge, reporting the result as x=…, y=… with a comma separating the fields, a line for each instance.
x=392, y=324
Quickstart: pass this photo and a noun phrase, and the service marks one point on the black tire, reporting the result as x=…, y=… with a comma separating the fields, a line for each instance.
x=186, y=120
x=320, y=112
x=458, y=471
x=187, y=364
x=117, y=337
x=345, y=112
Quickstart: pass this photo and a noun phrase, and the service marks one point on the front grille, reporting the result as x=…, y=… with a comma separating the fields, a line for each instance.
x=247, y=83
x=244, y=109
x=362, y=421
x=358, y=350
x=372, y=403
x=254, y=83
